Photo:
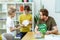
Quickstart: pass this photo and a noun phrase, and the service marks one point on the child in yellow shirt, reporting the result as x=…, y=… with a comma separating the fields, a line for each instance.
x=26, y=16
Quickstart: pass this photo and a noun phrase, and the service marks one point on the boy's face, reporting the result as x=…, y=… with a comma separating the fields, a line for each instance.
x=13, y=14
x=42, y=16
x=26, y=12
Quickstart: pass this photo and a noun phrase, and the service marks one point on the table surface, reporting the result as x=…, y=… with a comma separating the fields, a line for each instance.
x=30, y=36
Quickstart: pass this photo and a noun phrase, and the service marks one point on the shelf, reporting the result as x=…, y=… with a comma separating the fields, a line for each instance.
x=18, y=12
x=15, y=20
x=3, y=16
x=2, y=19
x=24, y=2
x=2, y=28
x=16, y=2
x=4, y=11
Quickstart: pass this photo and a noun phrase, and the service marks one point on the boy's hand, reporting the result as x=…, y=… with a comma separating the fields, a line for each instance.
x=30, y=22
x=48, y=32
x=19, y=27
x=37, y=32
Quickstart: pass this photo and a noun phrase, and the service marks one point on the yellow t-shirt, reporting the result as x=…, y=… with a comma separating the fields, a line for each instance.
x=23, y=17
x=0, y=37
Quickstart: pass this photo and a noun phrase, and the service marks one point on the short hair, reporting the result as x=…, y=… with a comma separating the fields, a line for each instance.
x=44, y=12
x=27, y=7
x=11, y=10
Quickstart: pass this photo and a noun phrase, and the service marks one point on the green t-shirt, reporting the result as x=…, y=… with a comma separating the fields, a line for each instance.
x=50, y=23
x=42, y=28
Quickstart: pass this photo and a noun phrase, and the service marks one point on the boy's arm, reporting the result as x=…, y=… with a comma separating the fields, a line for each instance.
x=30, y=19
x=36, y=30
x=54, y=31
x=13, y=29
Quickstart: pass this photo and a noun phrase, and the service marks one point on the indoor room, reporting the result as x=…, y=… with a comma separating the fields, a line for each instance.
x=29, y=20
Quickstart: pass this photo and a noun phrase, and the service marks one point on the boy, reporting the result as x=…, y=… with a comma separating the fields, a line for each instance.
x=26, y=16
x=10, y=23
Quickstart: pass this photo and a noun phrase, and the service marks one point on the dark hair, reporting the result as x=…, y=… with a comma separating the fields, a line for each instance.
x=26, y=7
x=44, y=12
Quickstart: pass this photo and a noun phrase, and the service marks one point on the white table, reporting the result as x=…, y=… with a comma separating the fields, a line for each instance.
x=30, y=36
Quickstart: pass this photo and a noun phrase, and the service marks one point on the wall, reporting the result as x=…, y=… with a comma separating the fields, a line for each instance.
x=37, y=6
x=50, y=5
